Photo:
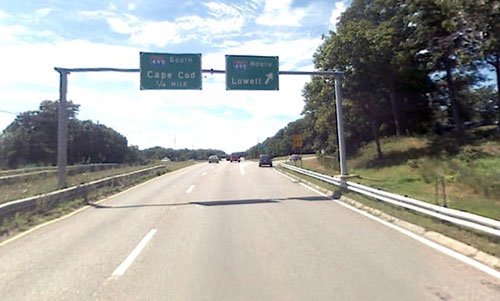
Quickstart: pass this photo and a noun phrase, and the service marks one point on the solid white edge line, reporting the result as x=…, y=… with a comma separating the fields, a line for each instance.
x=465, y=259
x=242, y=169
x=122, y=268
x=285, y=175
x=190, y=189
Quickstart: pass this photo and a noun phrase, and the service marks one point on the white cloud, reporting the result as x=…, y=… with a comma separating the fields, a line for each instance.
x=204, y=118
x=280, y=13
x=112, y=6
x=2, y=14
x=9, y=33
x=131, y=6
x=223, y=19
x=156, y=33
x=292, y=53
x=125, y=25
x=187, y=114
x=219, y=10
x=95, y=14
x=43, y=12
x=340, y=7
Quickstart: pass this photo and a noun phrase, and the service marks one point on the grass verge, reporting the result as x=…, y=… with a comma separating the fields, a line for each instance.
x=439, y=170
x=481, y=241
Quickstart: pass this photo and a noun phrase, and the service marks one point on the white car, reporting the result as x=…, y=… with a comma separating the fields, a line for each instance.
x=213, y=159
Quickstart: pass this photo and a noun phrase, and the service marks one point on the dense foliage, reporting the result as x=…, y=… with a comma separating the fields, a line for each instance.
x=31, y=139
x=411, y=67
x=160, y=153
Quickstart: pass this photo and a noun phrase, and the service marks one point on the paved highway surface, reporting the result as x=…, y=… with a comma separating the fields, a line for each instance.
x=229, y=231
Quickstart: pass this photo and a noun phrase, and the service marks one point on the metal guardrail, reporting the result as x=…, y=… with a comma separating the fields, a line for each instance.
x=47, y=171
x=32, y=203
x=458, y=217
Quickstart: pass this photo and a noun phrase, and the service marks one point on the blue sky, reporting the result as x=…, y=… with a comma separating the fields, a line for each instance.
x=36, y=36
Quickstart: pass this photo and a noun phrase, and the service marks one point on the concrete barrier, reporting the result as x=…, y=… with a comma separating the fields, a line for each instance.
x=32, y=203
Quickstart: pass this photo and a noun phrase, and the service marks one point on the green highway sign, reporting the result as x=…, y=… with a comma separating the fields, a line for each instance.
x=180, y=71
x=248, y=72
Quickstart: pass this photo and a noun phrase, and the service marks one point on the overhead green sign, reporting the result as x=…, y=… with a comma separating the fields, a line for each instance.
x=248, y=72
x=170, y=71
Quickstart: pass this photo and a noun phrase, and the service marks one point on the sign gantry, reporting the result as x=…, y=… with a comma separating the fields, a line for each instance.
x=182, y=71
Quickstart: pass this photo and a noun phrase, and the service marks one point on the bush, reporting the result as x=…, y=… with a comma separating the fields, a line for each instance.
x=430, y=169
x=329, y=162
x=413, y=163
x=486, y=184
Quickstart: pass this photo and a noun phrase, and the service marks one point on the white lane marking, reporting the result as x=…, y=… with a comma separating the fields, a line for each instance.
x=242, y=169
x=285, y=175
x=313, y=189
x=465, y=259
x=120, y=270
x=204, y=174
x=190, y=189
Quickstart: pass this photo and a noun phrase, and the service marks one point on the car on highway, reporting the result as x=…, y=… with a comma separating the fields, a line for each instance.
x=294, y=157
x=265, y=160
x=213, y=159
x=234, y=157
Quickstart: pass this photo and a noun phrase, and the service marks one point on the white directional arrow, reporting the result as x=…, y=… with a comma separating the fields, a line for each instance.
x=269, y=77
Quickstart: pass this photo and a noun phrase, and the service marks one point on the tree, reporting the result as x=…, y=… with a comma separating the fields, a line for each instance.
x=446, y=43
x=484, y=15
x=32, y=139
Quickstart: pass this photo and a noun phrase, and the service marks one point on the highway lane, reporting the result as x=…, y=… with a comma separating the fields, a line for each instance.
x=230, y=231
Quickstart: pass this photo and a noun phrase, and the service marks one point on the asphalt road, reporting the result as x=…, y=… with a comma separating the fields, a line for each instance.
x=229, y=231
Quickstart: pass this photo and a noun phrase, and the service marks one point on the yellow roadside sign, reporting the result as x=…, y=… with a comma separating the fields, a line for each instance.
x=297, y=140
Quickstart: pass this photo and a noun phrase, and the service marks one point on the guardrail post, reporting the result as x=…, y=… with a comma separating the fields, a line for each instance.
x=62, y=130
x=340, y=129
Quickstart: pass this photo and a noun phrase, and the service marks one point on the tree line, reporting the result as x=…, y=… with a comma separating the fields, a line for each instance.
x=161, y=153
x=31, y=139
x=411, y=67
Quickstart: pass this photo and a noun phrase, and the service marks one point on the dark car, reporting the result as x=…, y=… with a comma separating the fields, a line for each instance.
x=234, y=157
x=265, y=160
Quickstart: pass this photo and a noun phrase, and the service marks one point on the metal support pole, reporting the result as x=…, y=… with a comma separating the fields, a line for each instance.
x=340, y=128
x=62, y=130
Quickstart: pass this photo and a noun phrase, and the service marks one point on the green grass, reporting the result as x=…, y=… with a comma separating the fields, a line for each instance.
x=412, y=165
x=12, y=172
x=286, y=157
x=47, y=184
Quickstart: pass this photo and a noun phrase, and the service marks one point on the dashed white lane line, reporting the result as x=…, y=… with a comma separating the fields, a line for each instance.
x=204, y=174
x=242, y=169
x=190, y=189
x=120, y=270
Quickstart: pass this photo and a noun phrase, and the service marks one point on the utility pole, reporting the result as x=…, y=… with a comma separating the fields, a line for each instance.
x=62, y=130
x=340, y=129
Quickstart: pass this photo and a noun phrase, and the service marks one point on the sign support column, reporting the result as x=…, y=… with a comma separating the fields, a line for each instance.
x=340, y=129
x=62, y=137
